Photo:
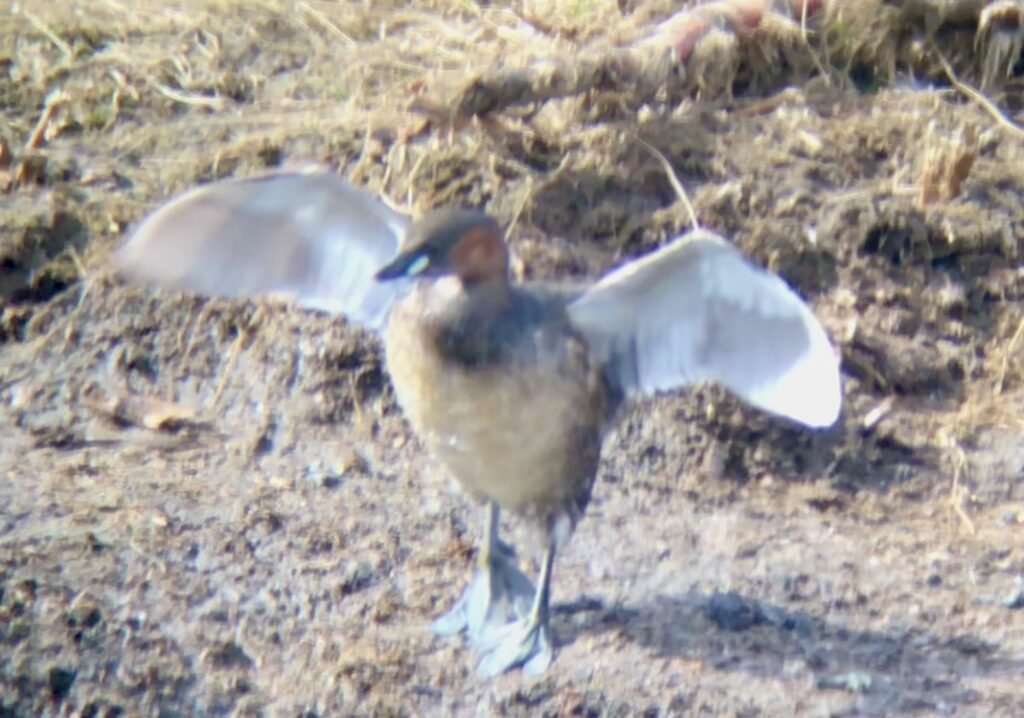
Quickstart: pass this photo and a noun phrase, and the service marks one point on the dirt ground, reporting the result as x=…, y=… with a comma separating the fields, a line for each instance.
x=215, y=508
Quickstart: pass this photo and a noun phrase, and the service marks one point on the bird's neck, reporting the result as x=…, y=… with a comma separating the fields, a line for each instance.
x=492, y=292
x=485, y=325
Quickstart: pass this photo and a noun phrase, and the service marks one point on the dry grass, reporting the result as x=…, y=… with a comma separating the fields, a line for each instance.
x=338, y=81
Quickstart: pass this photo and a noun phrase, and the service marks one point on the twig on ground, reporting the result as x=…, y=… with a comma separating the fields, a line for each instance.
x=87, y=283
x=45, y=29
x=673, y=180
x=237, y=346
x=327, y=23
x=53, y=101
x=972, y=94
x=956, y=491
x=1007, y=355
x=188, y=98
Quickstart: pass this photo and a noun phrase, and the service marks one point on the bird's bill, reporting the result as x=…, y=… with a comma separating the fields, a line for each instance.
x=406, y=264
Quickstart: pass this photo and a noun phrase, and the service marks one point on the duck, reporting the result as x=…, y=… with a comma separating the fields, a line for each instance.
x=510, y=386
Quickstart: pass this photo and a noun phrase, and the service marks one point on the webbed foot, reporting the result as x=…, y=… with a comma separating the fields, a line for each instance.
x=525, y=642
x=498, y=594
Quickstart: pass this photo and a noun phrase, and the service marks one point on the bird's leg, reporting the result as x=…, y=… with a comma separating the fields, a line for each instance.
x=498, y=594
x=525, y=642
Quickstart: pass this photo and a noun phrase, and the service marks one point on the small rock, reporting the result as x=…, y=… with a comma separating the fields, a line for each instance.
x=60, y=680
x=281, y=483
x=854, y=682
x=356, y=577
x=229, y=655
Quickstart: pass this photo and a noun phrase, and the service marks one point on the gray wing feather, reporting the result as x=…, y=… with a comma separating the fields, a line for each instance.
x=307, y=235
x=698, y=310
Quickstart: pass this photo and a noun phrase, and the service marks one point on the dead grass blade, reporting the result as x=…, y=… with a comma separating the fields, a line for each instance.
x=976, y=96
x=673, y=179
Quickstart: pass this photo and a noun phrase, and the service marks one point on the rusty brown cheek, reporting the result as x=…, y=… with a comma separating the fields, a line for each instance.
x=478, y=255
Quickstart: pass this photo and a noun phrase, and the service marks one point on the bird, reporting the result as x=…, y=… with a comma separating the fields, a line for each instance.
x=511, y=386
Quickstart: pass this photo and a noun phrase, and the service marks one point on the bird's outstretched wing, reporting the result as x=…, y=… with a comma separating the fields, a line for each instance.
x=307, y=235
x=698, y=310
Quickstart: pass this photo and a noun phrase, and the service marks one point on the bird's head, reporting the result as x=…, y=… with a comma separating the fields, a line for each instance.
x=463, y=243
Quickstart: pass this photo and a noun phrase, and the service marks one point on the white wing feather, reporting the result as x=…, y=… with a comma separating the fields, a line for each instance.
x=698, y=310
x=309, y=236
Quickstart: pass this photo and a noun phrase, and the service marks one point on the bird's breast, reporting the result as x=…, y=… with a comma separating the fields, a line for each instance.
x=523, y=430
